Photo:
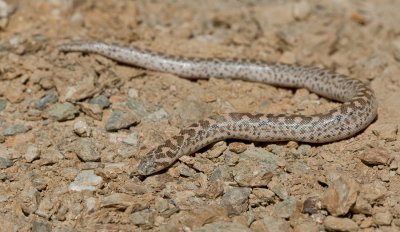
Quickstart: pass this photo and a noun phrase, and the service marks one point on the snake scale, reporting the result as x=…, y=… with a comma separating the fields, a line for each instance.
x=357, y=111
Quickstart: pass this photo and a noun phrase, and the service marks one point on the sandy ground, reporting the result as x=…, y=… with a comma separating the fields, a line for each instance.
x=74, y=126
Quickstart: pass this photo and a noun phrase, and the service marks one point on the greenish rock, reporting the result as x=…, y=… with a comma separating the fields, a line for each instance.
x=49, y=98
x=121, y=120
x=223, y=227
x=144, y=218
x=5, y=163
x=63, y=111
x=15, y=129
x=3, y=104
x=222, y=173
x=101, y=100
x=285, y=208
x=132, y=140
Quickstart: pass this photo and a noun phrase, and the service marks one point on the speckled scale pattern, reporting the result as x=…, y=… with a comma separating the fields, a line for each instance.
x=358, y=110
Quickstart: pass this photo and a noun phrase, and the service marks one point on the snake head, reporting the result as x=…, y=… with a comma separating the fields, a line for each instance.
x=153, y=162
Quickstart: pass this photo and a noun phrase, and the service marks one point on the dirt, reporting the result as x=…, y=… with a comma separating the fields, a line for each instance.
x=74, y=126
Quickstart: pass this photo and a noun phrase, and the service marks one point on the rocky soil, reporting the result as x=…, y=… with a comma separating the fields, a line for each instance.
x=74, y=126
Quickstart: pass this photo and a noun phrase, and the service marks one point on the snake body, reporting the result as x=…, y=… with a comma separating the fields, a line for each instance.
x=357, y=111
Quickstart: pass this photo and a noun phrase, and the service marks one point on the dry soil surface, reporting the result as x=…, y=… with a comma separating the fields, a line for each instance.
x=74, y=126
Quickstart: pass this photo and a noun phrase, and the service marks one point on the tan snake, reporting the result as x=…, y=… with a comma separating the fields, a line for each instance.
x=358, y=110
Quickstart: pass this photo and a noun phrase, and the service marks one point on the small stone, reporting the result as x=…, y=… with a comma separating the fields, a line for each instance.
x=158, y=115
x=63, y=111
x=341, y=195
x=92, y=110
x=15, y=129
x=86, y=150
x=312, y=205
x=144, y=218
x=45, y=207
x=301, y=10
x=185, y=171
x=41, y=226
x=216, y=150
x=222, y=173
x=368, y=222
x=264, y=195
x=3, y=104
x=250, y=173
x=339, y=224
x=278, y=189
x=132, y=140
x=50, y=156
x=287, y=58
x=306, y=226
x=383, y=218
x=236, y=200
x=237, y=147
x=5, y=163
x=161, y=205
x=81, y=128
x=375, y=156
x=121, y=120
x=32, y=153
x=101, y=100
x=270, y=223
x=86, y=180
x=49, y=98
x=119, y=201
x=223, y=227
x=285, y=208
x=387, y=132
x=133, y=93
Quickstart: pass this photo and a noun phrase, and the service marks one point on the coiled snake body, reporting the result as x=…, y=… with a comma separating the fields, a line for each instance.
x=358, y=110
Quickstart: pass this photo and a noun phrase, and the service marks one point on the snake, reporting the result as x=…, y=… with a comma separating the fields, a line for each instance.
x=357, y=110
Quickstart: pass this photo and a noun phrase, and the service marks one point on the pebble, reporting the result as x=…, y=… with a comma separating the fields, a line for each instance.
x=301, y=10
x=341, y=194
x=49, y=98
x=144, y=218
x=85, y=180
x=50, y=156
x=121, y=120
x=236, y=200
x=100, y=100
x=387, y=132
x=216, y=150
x=32, y=153
x=3, y=104
x=132, y=139
x=383, y=218
x=5, y=163
x=250, y=173
x=306, y=226
x=285, y=208
x=158, y=115
x=185, y=171
x=92, y=110
x=86, y=150
x=264, y=195
x=41, y=226
x=237, y=147
x=222, y=173
x=332, y=223
x=312, y=205
x=278, y=189
x=81, y=128
x=223, y=227
x=119, y=201
x=255, y=167
x=375, y=156
x=63, y=111
x=45, y=207
x=270, y=223
x=15, y=129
